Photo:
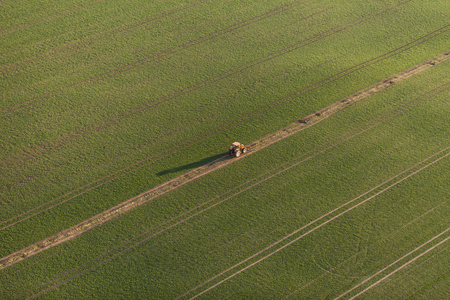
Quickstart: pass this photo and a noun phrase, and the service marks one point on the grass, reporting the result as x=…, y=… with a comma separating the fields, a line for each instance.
x=229, y=72
x=87, y=156
x=325, y=263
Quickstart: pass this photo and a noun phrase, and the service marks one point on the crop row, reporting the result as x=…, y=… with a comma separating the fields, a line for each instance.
x=192, y=141
x=389, y=152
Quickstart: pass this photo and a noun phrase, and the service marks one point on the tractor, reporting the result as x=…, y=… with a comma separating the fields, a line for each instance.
x=236, y=149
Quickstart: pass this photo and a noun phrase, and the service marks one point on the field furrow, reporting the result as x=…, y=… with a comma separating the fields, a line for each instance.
x=116, y=119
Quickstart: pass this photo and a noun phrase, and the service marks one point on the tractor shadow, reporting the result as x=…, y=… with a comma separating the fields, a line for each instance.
x=192, y=165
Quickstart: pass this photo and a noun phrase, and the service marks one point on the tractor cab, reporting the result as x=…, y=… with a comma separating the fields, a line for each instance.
x=236, y=149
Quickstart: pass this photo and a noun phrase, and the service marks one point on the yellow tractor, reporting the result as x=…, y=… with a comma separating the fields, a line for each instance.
x=236, y=149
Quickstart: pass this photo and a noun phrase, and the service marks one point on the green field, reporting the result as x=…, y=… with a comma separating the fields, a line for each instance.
x=102, y=101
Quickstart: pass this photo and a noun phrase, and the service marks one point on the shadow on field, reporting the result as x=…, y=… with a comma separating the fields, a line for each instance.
x=192, y=165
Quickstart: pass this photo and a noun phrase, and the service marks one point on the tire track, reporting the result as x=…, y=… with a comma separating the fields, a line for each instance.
x=50, y=17
x=32, y=264
x=422, y=263
x=105, y=34
x=177, y=182
x=113, y=120
x=289, y=167
x=296, y=239
x=395, y=262
x=267, y=248
x=131, y=112
x=33, y=176
x=153, y=57
x=356, y=254
x=145, y=162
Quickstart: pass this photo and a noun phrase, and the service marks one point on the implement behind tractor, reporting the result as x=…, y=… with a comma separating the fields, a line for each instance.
x=236, y=149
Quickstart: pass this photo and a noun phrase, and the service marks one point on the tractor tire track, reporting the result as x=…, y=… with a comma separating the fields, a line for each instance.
x=87, y=41
x=31, y=264
x=358, y=253
x=141, y=108
x=50, y=17
x=291, y=234
x=395, y=262
x=153, y=57
x=183, y=46
x=175, y=183
x=80, y=133
x=113, y=120
x=312, y=120
x=428, y=260
x=267, y=248
x=140, y=164
x=29, y=178
x=131, y=112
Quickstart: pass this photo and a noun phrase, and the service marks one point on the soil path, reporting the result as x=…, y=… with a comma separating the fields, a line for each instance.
x=216, y=164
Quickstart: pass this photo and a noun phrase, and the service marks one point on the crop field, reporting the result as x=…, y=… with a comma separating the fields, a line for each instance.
x=102, y=101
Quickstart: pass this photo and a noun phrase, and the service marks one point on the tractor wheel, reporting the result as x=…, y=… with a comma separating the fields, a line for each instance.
x=244, y=150
x=237, y=153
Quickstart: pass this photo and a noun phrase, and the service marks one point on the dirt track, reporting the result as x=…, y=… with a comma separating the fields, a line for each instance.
x=212, y=166
x=214, y=131
x=56, y=143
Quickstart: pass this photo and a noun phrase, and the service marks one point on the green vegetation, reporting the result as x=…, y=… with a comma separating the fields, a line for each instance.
x=204, y=64
x=352, y=247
